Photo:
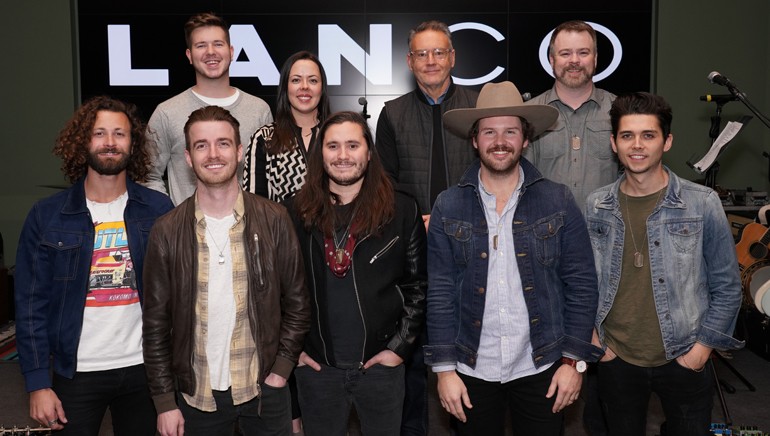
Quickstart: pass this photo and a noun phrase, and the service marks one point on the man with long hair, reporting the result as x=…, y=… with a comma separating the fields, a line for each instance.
x=364, y=250
x=226, y=308
x=210, y=54
x=79, y=278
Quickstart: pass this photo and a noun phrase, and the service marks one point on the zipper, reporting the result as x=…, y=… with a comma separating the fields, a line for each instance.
x=315, y=297
x=358, y=298
x=385, y=249
x=258, y=261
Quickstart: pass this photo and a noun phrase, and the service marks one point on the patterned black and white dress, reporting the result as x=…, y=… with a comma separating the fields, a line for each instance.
x=275, y=176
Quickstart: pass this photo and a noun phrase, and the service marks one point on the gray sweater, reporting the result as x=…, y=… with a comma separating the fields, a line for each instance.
x=166, y=127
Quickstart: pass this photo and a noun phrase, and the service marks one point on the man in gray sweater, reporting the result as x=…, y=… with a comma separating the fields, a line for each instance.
x=210, y=53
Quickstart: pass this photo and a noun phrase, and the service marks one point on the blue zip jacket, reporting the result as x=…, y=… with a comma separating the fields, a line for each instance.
x=53, y=263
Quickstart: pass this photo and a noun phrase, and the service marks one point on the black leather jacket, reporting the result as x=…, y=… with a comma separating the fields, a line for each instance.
x=278, y=306
x=390, y=278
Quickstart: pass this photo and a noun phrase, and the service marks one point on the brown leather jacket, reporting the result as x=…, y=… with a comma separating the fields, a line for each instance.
x=278, y=307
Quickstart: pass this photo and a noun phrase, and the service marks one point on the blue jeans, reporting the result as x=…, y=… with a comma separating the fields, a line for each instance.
x=269, y=414
x=87, y=395
x=687, y=397
x=531, y=412
x=326, y=396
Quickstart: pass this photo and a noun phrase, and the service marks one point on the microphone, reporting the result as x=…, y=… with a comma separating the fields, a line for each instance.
x=362, y=101
x=718, y=98
x=717, y=78
x=526, y=96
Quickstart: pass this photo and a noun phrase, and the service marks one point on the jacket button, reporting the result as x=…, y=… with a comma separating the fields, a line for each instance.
x=660, y=280
x=657, y=243
x=61, y=244
x=481, y=290
x=472, y=360
x=477, y=323
x=483, y=254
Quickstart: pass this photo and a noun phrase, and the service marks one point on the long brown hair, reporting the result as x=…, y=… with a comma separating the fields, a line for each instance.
x=73, y=141
x=375, y=202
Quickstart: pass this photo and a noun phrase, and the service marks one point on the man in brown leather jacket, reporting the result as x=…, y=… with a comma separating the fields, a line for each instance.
x=226, y=309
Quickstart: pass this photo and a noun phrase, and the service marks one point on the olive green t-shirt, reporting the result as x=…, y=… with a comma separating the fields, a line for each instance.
x=632, y=329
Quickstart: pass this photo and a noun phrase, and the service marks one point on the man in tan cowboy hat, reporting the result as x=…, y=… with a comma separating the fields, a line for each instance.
x=512, y=290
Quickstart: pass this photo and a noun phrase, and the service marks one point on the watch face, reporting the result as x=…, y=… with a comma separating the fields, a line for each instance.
x=581, y=366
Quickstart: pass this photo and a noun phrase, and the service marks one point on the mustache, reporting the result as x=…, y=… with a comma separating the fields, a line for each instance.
x=497, y=148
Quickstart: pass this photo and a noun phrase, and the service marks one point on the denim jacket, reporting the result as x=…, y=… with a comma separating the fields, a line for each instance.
x=554, y=259
x=53, y=263
x=695, y=276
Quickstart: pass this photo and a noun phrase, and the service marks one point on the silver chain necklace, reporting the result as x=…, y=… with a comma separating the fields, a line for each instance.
x=638, y=256
x=221, y=259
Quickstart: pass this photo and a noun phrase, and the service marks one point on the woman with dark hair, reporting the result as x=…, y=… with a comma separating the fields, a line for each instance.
x=276, y=156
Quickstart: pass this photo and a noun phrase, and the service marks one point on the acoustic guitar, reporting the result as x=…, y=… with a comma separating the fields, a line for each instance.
x=753, y=246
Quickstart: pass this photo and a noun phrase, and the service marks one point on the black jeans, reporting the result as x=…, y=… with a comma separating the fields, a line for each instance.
x=687, y=397
x=269, y=414
x=531, y=412
x=86, y=396
x=326, y=396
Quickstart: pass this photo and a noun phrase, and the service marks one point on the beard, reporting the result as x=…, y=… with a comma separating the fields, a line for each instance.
x=499, y=167
x=583, y=79
x=109, y=166
x=348, y=179
x=215, y=180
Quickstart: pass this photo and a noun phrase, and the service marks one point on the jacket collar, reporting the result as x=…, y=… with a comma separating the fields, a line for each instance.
x=421, y=97
x=672, y=199
x=76, y=196
x=471, y=176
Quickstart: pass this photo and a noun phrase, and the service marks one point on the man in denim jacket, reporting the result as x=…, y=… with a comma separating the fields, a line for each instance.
x=79, y=278
x=668, y=279
x=511, y=288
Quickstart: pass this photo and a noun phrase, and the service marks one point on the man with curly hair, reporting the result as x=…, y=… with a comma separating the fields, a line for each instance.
x=79, y=278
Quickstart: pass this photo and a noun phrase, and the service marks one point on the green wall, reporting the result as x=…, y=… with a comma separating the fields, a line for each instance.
x=694, y=38
x=36, y=100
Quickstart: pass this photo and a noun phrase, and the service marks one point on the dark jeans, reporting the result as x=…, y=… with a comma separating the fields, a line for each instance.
x=414, y=418
x=531, y=412
x=269, y=414
x=86, y=396
x=686, y=396
x=326, y=396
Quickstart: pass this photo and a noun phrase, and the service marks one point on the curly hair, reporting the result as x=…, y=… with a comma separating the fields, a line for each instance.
x=73, y=141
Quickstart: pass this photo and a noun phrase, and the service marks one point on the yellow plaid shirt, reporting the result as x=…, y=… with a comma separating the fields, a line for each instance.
x=244, y=362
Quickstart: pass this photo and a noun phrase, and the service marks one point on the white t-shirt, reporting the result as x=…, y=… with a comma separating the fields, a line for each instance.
x=112, y=319
x=221, y=302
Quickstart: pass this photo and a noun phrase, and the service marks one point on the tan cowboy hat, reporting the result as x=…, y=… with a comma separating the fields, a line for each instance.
x=499, y=100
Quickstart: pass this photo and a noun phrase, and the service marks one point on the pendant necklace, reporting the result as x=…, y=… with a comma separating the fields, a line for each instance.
x=339, y=252
x=638, y=256
x=221, y=259
x=575, y=141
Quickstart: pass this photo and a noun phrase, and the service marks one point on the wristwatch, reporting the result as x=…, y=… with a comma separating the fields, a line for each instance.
x=579, y=365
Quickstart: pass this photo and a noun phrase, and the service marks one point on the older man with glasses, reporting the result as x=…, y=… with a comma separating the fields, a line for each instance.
x=423, y=159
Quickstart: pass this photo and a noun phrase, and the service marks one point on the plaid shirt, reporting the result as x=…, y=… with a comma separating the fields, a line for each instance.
x=244, y=364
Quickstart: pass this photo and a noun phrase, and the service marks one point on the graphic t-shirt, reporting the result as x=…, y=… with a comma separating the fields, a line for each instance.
x=112, y=318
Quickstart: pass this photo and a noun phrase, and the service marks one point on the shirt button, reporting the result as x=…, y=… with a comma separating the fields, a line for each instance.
x=502, y=310
x=477, y=323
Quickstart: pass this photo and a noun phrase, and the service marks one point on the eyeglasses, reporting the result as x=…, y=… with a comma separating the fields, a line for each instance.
x=439, y=54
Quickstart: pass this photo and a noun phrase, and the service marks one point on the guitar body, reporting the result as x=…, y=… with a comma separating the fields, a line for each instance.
x=753, y=246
